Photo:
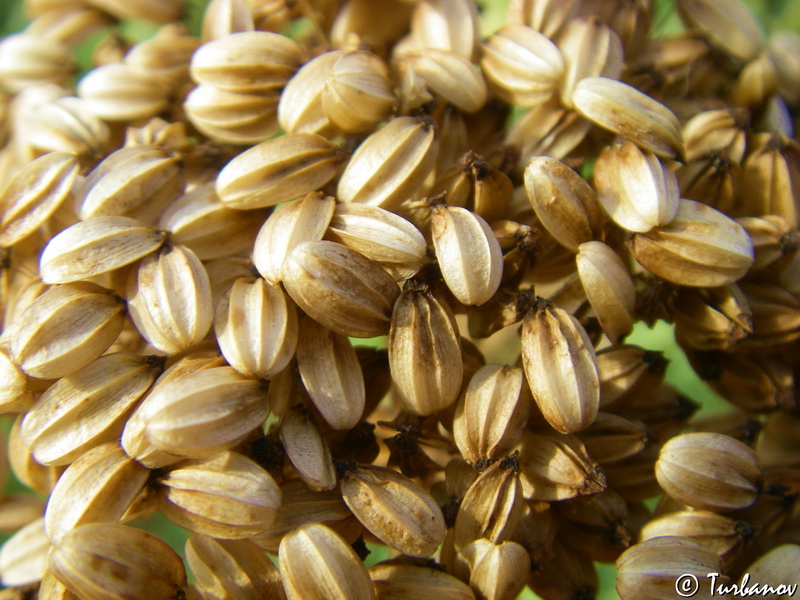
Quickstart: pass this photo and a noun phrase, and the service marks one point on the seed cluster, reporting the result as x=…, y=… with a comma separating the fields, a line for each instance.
x=196, y=236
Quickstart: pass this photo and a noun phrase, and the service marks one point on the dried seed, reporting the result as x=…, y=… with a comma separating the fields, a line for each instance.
x=729, y=24
x=561, y=368
x=409, y=582
x=289, y=226
x=395, y=509
x=232, y=568
x=123, y=92
x=492, y=506
x=226, y=496
x=30, y=60
x=300, y=108
x=450, y=76
x=97, y=488
x=635, y=188
x=490, y=419
x=208, y=227
x=23, y=558
x=316, y=564
x=137, y=182
x=590, y=48
x=256, y=328
x=424, y=350
x=278, y=170
x=359, y=93
x=382, y=236
x=710, y=471
x=391, y=164
x=216, y=412
x=340, y=288
x=557, y=468
x=87, y=407
x=65, y=125
x=522, y=66
x=628, y=112
x=446, y=24
x=96, y=246
x=169, y=299
x=247, y=62
x=306, y=449
x=34, y=194
x=118, y=560
x=609, y=288
x=469, y=255
x=134, y=440
x=301, y=505
x=232, y=117
x=652, y=567
x=700, y=247
x=496, y=570
x=564, y=203
x=331, y=374
x=65, y=329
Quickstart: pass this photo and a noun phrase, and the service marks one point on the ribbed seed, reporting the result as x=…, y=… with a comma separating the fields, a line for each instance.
x=395, y=509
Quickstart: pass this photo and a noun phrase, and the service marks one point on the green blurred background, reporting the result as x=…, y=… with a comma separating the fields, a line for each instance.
x=774, y=14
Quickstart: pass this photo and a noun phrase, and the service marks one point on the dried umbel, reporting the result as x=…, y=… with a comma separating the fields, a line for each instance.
x=491, y=219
